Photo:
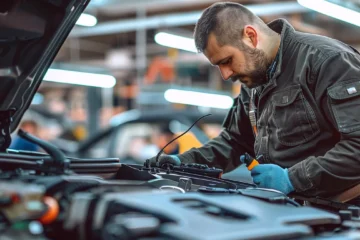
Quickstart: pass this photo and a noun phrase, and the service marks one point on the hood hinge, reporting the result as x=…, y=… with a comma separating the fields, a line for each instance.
x=5, y=135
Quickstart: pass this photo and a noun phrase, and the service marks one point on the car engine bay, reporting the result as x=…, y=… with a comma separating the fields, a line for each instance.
x=104, y=199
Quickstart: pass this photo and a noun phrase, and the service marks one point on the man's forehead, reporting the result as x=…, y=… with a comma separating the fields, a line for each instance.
x=212, y=44
x=212, y=49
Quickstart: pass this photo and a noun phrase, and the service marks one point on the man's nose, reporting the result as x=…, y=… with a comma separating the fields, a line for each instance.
x=226, y=72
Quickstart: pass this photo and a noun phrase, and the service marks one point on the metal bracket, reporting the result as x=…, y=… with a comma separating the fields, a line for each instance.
x=5, y=121
x=185, y=183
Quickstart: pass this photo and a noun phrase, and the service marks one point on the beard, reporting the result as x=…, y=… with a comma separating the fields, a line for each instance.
x=257, y=64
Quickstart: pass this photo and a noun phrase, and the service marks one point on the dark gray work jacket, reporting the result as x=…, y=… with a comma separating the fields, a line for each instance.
x=308, y=117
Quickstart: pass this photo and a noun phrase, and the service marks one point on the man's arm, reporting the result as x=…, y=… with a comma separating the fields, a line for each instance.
x=237, y=138
x=338, y=91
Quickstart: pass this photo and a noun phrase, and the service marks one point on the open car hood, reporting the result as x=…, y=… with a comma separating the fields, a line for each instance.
x=31, y=34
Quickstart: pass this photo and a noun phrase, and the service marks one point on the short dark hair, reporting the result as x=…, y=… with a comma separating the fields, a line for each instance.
x=227, y=21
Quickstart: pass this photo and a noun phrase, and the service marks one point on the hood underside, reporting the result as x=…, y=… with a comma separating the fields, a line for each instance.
x=31, y=34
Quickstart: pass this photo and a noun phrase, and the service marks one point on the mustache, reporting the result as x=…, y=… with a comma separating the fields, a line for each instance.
x=236, y=78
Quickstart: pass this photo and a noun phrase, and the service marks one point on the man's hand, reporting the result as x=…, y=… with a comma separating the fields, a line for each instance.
x=165, y=159
x=272, y=176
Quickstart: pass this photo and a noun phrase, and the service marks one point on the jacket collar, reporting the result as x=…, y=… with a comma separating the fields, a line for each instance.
x=284, y=28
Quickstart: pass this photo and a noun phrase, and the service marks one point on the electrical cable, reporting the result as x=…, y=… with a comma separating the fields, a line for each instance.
x=59, y=157
x=293, y=202
x=161, y=151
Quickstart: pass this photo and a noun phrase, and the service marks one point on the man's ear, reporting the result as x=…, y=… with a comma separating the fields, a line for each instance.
x=250, y=36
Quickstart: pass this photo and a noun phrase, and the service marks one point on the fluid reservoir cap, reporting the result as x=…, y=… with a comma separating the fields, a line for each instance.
x=345, y=215
x=35, y=228
x=355, y=211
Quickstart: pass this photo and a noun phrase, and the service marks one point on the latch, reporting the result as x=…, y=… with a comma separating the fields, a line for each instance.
x=5, y=121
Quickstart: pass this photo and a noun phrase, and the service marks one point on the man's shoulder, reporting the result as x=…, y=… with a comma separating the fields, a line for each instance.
x=319, y=44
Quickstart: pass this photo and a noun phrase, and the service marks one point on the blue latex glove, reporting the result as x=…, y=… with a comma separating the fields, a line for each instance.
x=272, y=176
x=176, y=158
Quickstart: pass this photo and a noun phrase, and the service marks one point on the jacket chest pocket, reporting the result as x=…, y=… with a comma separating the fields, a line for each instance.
x=294, y=119
x=345, y=102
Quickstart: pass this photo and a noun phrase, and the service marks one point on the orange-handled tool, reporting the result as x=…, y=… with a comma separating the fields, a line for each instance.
x=250, y=161
x=52, y=212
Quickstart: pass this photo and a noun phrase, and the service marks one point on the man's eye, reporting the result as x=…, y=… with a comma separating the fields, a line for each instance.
x=227, y=61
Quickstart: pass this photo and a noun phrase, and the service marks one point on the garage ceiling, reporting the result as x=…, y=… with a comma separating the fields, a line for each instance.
x=123, y=23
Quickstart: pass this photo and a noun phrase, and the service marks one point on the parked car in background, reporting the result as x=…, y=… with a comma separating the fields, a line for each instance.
x=133, y=132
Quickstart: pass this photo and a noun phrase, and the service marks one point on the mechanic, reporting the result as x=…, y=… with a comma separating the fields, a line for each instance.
x=299, y=105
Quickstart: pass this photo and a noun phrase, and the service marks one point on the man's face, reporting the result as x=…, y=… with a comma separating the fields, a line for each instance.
x=247, y=65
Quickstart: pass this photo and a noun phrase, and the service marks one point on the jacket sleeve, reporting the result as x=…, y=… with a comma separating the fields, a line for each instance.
x=338, y=92
x=235, y=139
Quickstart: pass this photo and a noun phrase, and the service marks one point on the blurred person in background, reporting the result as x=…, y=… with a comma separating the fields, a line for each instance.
x=159, y=138
x=299, y=106
x=149, y=149
x=165, y=136
x=19, y=143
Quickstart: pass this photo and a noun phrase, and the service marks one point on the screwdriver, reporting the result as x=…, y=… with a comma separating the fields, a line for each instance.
x=250, y=162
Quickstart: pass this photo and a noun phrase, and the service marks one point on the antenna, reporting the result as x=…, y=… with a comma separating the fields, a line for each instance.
x=158, y=155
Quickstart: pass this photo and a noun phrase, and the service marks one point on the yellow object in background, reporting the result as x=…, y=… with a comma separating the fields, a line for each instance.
x=173, y=53
x=187, y=142
x=80, y=132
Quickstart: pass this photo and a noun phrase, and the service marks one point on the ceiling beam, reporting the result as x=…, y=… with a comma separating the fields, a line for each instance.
x=116, y=7
x=87, y=45
x=178, y=19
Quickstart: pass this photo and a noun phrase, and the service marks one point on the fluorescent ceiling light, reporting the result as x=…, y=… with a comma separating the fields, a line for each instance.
x=175, y=41
x=333, y=10
x=86, y=20
x=198, y=98
x=80, y=78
